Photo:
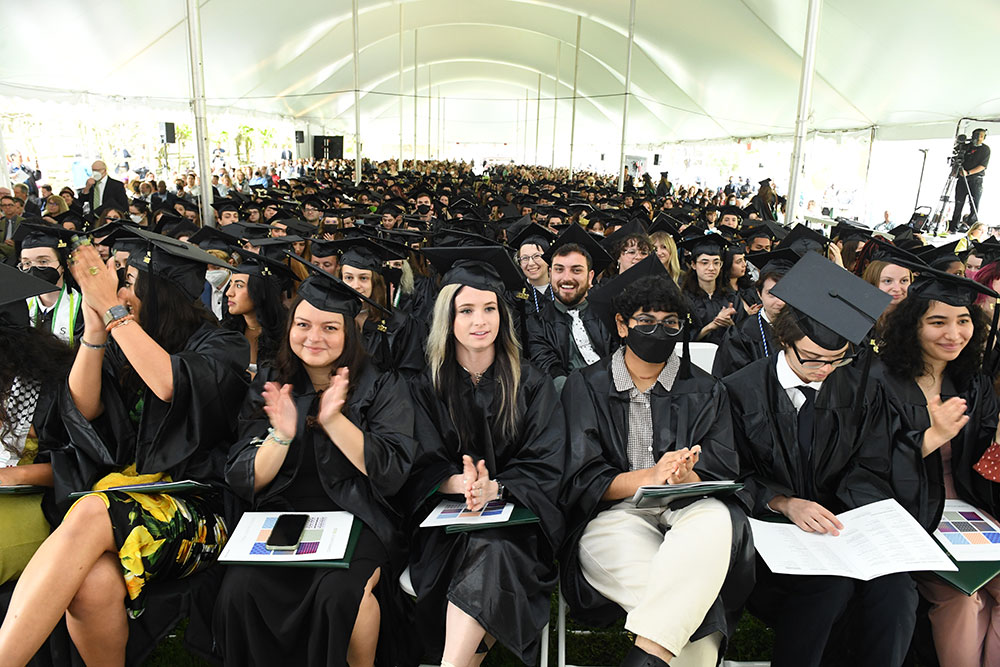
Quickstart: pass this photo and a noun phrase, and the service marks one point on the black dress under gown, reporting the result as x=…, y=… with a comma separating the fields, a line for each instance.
x=502, y=577
x=918, y=481
x=304, y=616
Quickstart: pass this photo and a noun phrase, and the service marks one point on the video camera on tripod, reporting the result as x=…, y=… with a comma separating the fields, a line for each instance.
x=958, y=152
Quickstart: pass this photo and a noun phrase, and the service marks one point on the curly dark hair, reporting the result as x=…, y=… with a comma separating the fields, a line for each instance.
x=32, y=355
x=648, y=294
x=900, y=350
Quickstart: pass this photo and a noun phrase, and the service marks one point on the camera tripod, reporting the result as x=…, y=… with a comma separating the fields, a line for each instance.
x=949, y=187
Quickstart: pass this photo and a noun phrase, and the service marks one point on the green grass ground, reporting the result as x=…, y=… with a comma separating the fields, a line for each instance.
x=752, y=641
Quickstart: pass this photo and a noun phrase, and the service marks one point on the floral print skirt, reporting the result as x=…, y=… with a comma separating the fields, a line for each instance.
x=163, y=537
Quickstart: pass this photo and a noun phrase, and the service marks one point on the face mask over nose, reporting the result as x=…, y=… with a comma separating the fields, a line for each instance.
x=653, y=348
x=217, y=278
x=49, y=274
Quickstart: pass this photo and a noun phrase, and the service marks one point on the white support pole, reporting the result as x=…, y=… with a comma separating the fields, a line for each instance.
x=399, y=156
x=357, y=98
x=415, y=96
x=4, y=172
x=555, y=103
x=199, y=108
x=628, y=85
x=805, y=102
x=576, y=71
x=444, y=110
x=524, y=150
x=538, y=115
x=439, y=124
x=429, y=114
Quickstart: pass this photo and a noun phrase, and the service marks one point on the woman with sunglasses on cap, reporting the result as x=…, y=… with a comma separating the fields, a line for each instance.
x=642, y=416
x=152, y=395
x=32, y=371
x=945, y=418
x=813, y=437
x=321, y=430
x=490, y=427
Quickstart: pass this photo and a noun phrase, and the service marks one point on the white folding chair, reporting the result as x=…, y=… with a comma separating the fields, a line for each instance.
x=702, y=354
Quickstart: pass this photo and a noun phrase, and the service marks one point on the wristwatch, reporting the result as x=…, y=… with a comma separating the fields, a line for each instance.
x=501, y=490
x=115, y=313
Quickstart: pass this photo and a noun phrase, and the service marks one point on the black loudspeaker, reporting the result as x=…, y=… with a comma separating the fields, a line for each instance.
x=328, y=148
x=300, y=137
x=656, y=158
x=167, y=135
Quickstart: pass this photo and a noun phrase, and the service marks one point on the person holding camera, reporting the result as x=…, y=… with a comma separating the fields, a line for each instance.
x=977, y=158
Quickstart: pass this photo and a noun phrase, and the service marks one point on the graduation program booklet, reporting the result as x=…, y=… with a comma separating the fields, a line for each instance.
x=325, y=538
x=878, y=539
x=968, y=533
x=664, y=494
x=20, y=489
x=151, y=487
x=453, y=513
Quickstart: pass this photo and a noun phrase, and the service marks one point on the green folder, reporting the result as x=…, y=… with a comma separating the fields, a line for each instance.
x=341, y=563
x=972, y=574
x=21, y=489
x=665, y=496
x=150, y=487
x=520, y=515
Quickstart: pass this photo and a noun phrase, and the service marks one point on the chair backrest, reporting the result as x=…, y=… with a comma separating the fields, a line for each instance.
x=702, y=354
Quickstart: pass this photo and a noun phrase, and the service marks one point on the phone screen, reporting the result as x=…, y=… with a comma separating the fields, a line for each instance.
x=287, y=531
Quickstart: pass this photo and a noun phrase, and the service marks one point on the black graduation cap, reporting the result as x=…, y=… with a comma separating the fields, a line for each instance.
x=210, y=238
x=42, y=235
x=449, y=237
x=600, y=298
x=886, y=252
x=834, y=306
x=941, y=256
x=935, y=284
x=764, y=182
x=599, y=257
x=777, y=261
x=124, y=239
x=664, y=223
x=300, y=227
x=227, y=204
x=989, y=250
x=330, y=294
x=15, y=287
x=802, y=239
x=187, y=204
x=246, y=230
x=533, y=233
x=179, y=262
x=274, y=246
x=482, y=267
x=633, y=226
x=706, y=244
x=363, y=253
x=319, y=248
x=845, y=231
x=266, y=267
x=903, y=236
x=730, y=210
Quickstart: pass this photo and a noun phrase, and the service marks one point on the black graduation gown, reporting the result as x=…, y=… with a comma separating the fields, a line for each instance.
x=502, y=577
x=743, y=344
x=550, y=335
x=704, y=308
x=850, y=457
x=268, y=615
x=395, y=344
x=918, y=482
x=186, y=438
x=695, y=411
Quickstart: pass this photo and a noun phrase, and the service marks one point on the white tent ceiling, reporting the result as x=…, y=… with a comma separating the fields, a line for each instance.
x=700, y=69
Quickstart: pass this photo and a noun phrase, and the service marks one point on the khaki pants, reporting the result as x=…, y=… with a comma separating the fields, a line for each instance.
x=664, y=567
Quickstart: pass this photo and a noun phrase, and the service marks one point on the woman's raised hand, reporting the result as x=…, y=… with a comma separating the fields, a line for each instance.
x=280, y=409
x=333, y=399
x=98, y=280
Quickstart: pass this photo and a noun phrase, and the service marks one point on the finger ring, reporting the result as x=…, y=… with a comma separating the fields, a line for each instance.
x=94, y=270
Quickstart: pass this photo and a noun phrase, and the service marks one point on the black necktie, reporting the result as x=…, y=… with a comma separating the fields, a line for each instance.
x=807, y=414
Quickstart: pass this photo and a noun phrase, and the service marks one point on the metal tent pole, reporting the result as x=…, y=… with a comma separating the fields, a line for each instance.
x=400, y=154
x=199, y=108
x=524, y=137
x=429, y=114
x=357, y=98
x=538, y=114
x=805, y=101
x=576, y=71
x=414, y=97
x=628, y=85
x=4, y=172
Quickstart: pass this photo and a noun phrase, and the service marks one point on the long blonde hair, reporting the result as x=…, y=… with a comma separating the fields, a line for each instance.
x=446, y=371
x=673, y=264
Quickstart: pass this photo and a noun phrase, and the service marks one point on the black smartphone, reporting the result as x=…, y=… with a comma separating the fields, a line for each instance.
x=287, y=532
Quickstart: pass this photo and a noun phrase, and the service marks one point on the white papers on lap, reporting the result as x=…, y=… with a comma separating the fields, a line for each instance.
x=325, y=537
x=968, y=533
x=878, y=539
x=452, y=513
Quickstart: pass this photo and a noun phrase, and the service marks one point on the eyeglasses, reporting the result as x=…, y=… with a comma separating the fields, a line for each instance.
x=528, y=259
x=41, y=262
x=632, y=252
x=671, y=325
x=816, y=364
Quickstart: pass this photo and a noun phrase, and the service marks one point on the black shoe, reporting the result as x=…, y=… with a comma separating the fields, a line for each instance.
x=636, y=657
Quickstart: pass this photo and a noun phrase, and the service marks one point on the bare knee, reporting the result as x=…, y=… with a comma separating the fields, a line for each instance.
x=103, y=586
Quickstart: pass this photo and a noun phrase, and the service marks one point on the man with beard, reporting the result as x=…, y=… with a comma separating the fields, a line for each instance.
x=569, y=335
x=425, y=209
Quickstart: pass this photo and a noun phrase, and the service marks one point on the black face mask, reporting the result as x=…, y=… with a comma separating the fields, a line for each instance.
x=654, y=348
x=49, y=274
x=423, y=209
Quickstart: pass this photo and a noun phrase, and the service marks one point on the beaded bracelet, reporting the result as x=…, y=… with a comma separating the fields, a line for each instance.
x=91, y=346
x=121, y=321
x=272, y=435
